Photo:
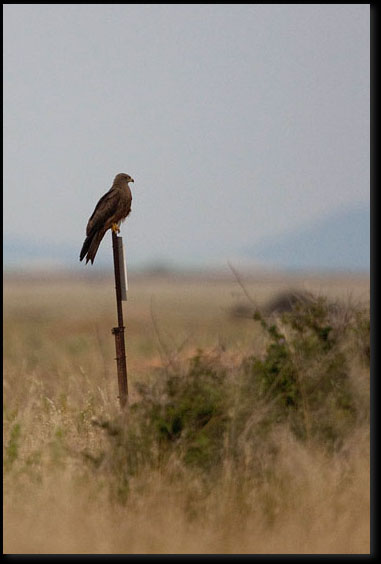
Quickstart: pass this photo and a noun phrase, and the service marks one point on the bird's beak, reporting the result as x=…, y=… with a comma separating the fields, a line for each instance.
x=132, y=180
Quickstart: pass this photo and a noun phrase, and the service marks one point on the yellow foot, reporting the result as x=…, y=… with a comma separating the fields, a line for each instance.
x=115, y=228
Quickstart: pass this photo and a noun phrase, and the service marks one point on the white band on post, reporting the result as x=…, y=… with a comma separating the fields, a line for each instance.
x=122, y=270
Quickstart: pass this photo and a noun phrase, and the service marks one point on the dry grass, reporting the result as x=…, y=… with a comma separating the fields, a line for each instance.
x=60, y=375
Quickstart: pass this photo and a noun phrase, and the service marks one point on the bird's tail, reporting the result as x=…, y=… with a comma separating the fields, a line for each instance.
x=90, y=246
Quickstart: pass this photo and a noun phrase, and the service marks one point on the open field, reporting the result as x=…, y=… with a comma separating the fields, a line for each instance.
x=248, y=474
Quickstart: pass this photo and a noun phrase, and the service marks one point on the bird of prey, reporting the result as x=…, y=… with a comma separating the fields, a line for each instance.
x=111, y=209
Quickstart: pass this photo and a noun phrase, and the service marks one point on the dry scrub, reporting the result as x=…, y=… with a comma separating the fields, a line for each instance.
x=225, y=450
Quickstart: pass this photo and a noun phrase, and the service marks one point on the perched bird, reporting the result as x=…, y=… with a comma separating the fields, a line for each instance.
x=111, y=209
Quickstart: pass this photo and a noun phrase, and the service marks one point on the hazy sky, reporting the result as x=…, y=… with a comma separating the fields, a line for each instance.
x=236, y=121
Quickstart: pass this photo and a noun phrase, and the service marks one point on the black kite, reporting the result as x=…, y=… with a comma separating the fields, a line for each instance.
x=111, y=209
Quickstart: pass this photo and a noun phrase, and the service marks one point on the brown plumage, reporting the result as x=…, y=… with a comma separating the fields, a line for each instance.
x=111, y=209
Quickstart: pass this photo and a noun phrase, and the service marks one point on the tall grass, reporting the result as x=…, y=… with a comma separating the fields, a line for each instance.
x=265, y=451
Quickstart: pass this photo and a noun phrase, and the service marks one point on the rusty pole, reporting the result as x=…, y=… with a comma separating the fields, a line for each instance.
x=119, y=331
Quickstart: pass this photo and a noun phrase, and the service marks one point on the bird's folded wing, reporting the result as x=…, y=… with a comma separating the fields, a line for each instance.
x=104, y=210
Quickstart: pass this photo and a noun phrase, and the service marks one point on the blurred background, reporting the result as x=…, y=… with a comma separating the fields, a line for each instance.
x=245, y=127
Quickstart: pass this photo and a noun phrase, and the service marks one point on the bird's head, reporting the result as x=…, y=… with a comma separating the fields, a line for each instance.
x=122, y=176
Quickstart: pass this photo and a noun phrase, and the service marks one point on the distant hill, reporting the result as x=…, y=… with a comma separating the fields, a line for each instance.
x=340, y=241
x=19, y=252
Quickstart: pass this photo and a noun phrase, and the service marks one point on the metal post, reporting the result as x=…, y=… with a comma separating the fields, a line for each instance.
x=119, y=331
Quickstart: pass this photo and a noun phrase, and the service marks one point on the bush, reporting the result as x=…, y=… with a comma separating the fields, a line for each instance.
x=209, y=414
x=306, y=371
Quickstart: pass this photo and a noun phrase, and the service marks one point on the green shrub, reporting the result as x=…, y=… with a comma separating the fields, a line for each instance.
x=306, y=371
x=208, y=413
